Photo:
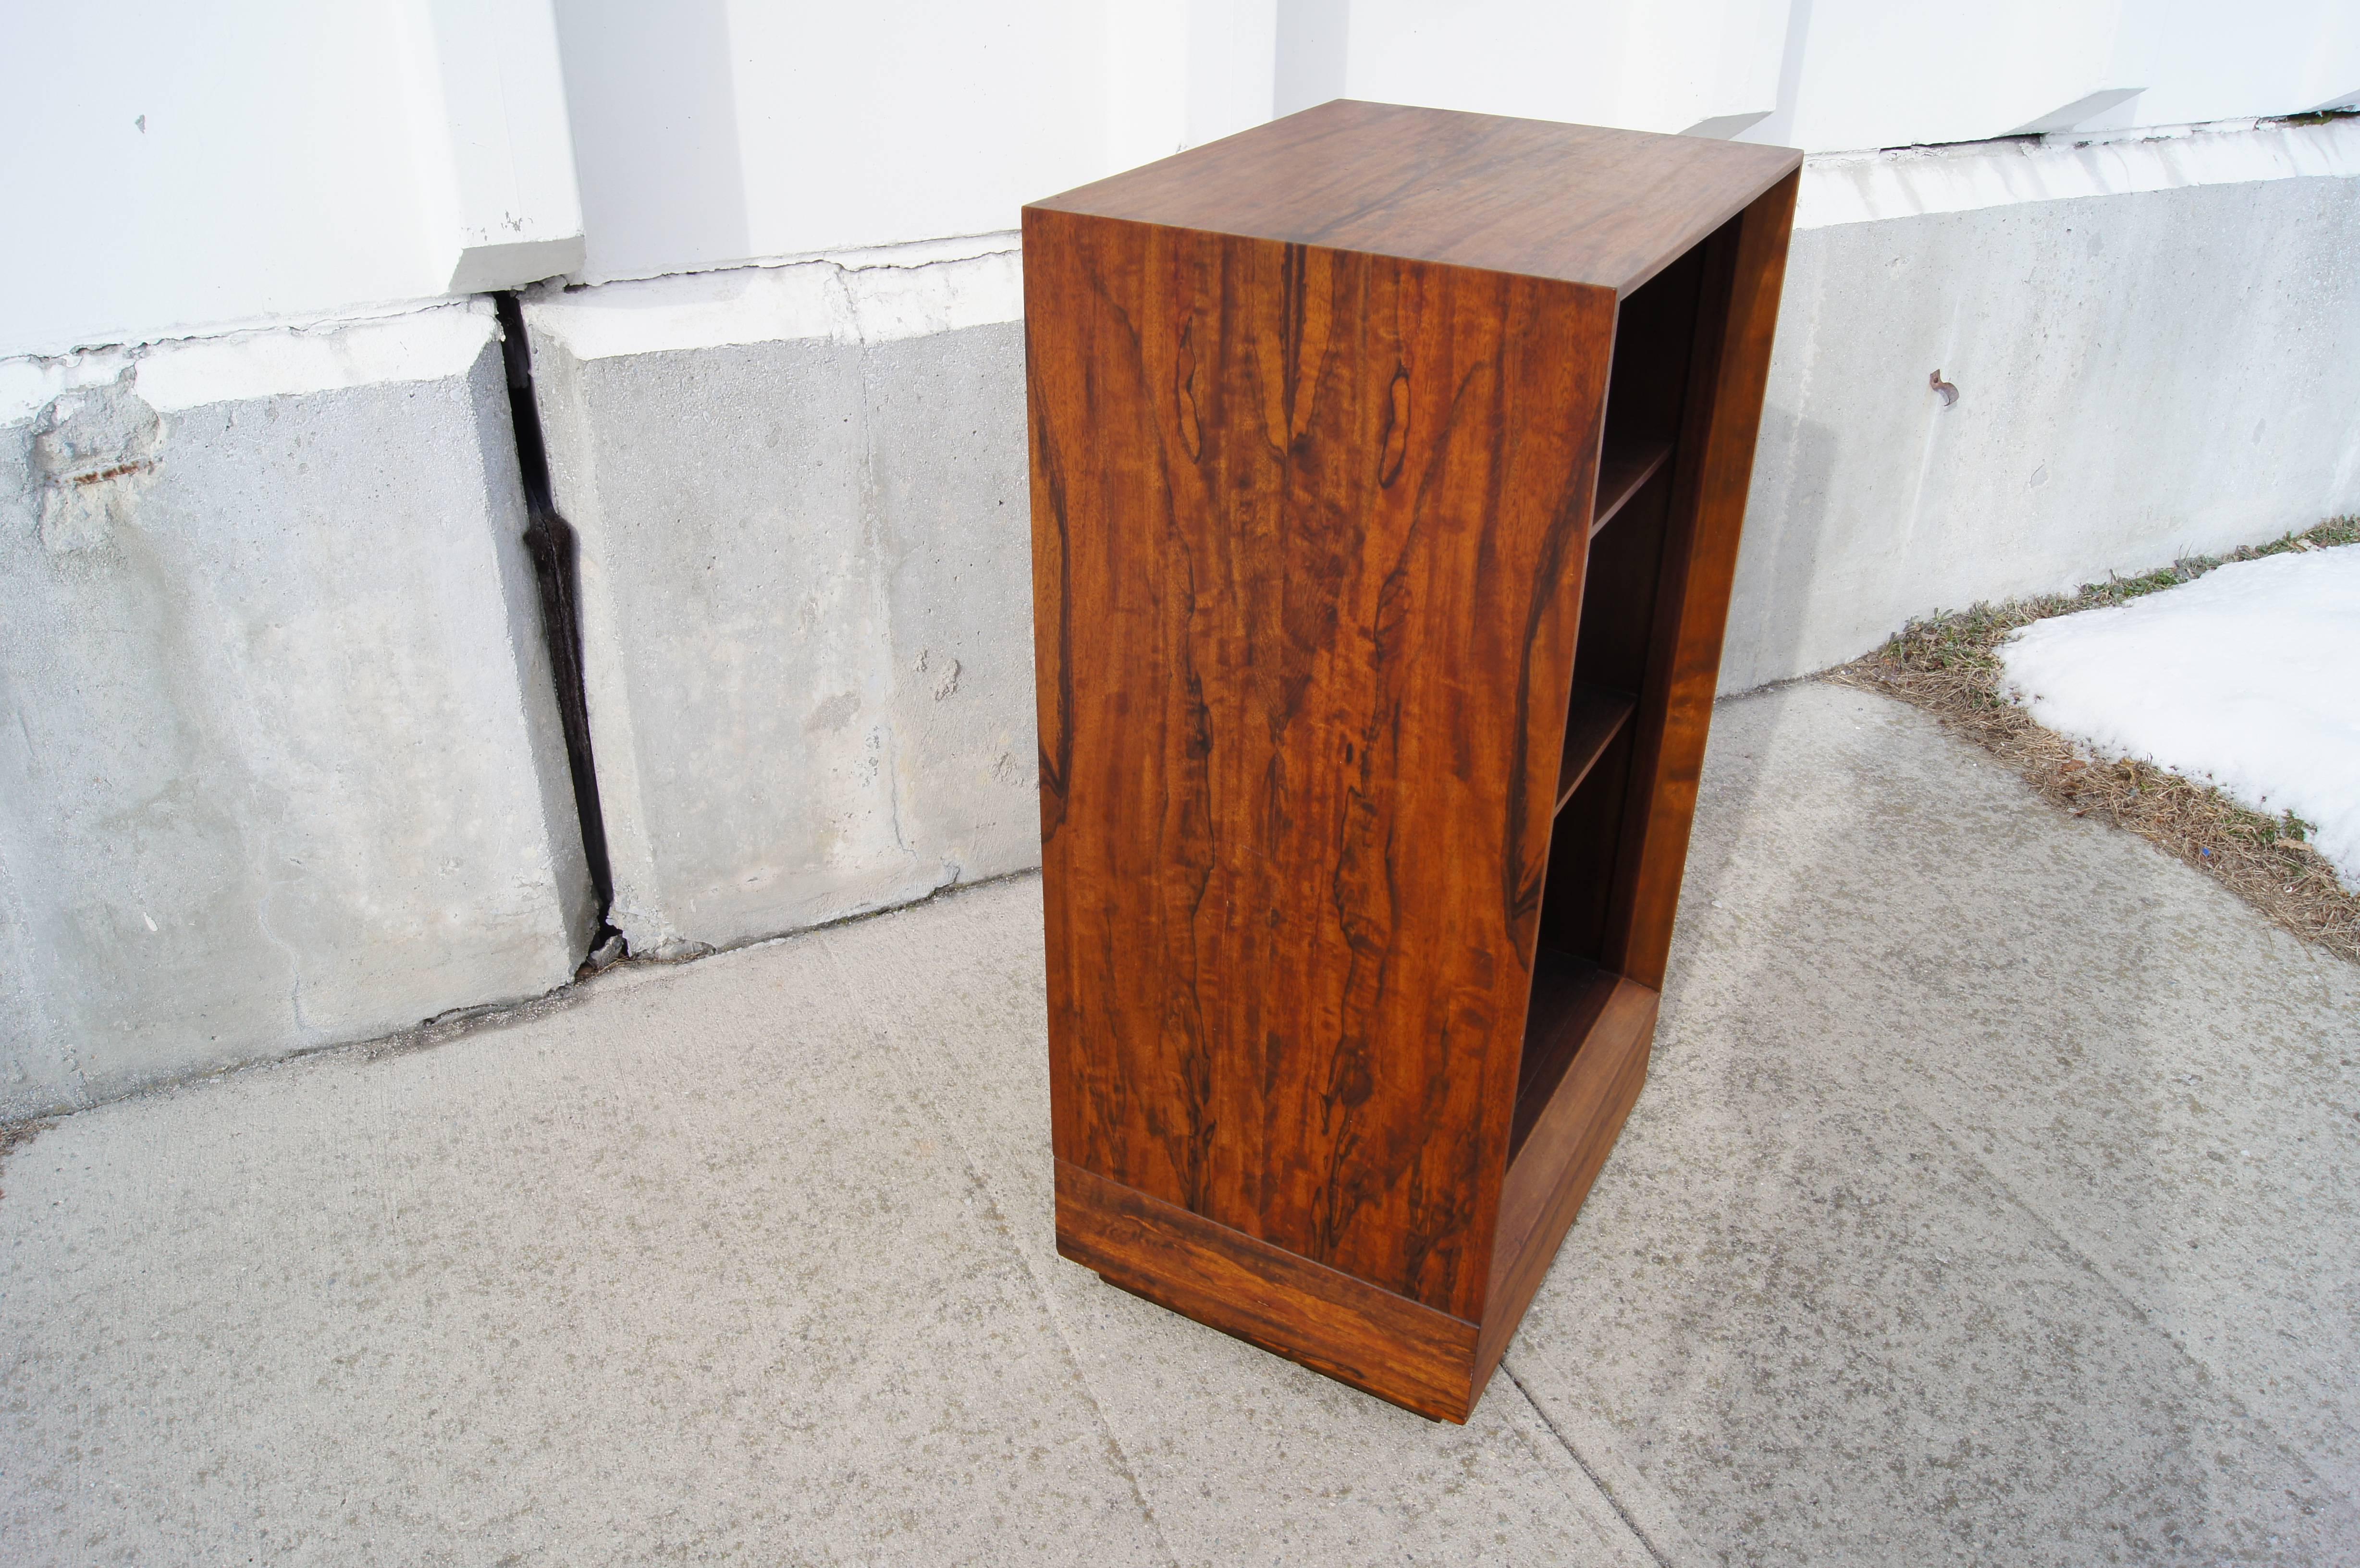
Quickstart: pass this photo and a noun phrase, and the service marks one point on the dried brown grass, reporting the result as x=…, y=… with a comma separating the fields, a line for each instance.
x=1950, y=667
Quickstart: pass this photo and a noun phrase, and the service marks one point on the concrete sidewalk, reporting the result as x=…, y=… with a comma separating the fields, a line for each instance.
x=1991, y=1201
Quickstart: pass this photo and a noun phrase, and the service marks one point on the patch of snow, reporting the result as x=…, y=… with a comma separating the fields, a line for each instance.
x=2248, y=678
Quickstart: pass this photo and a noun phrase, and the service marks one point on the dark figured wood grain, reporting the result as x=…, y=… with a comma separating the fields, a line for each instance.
x=1578, y=204
x=1309, y=527
x=1745, y=266
x=1368, y=748
x=1329, y=1320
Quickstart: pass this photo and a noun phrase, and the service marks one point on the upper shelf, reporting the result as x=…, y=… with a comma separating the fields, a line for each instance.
x=1623, y=470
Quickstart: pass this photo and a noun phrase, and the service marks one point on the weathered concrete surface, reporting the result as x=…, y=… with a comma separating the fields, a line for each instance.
x=280, y=763
x=702, y=1268
x=2140, y=375
x=1916, y=1250
x=806, y=590
x=1994, y=1193
x=802, y=500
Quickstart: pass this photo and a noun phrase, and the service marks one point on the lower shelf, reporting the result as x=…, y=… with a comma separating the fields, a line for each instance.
x=1569, y=994
x=1610, y=1025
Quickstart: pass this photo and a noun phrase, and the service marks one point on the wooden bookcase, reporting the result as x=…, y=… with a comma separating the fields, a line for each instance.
x=1388, y=466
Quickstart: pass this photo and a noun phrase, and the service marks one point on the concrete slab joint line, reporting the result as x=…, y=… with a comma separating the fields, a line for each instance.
x=279, y=765
x=861, y=1000
x=1996, y=1218
x=1574, y=1453
x=801, y=506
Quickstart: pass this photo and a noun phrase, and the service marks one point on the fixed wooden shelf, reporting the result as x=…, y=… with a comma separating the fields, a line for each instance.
x=1593, y=720
x=1569, y=994
x=1368, y=748
x=1623, y=469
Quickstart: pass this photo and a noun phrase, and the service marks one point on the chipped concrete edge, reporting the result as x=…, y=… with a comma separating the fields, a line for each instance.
x=430, y=343
x=881, y=295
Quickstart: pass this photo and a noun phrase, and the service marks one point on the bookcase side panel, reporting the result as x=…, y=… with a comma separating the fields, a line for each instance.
x=1302, y=523
x=1745, y=267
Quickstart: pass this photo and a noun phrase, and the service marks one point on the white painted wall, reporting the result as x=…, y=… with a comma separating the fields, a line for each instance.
x=1647, y=65
x=716, y=132
x=1875, y=74
x=172, y=168
x=178, y=168
x=1832, y=75
x=719, y=132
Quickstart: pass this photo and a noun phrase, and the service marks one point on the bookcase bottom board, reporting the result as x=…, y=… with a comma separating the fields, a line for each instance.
x=1568, y=994
x=1562, y=1155
x=1401, y=1351
x=1385, y=1345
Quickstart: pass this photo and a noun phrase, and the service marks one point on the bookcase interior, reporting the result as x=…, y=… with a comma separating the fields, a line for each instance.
x=1654, y=343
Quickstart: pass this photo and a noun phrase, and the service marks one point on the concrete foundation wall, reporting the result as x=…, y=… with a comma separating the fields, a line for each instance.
x=279, y=762
x=280, y=759
x=801, y=496
x=802, y=499
x=2141, y=373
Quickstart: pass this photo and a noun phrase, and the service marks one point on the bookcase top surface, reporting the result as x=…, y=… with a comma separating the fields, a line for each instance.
x=1579, y=203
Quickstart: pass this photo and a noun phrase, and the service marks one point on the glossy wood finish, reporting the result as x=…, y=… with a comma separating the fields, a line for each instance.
x=1329, y=1320
x=1309, y=533
x=1352, y=708
x=1578, y=204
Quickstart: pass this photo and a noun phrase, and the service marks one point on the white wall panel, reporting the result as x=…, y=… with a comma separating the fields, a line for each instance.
x=1650, y=65
x=715, y=132
x=178, y=170
x=225, y=163
x=174, y=167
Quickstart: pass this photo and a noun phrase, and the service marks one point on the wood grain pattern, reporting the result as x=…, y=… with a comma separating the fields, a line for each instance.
x=1309, y=528
x=1356, y=900
x=1745, y=267
x=1330, y=1322
x=1578, y=204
